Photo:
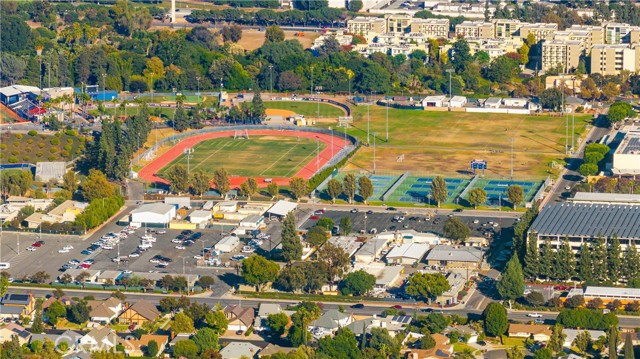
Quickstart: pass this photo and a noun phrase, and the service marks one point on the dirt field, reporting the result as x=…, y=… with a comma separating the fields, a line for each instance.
x=445, y=142
x=276, y=112
x=253, y=39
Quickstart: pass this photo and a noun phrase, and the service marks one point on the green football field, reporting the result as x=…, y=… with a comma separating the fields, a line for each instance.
x=309, y=109
x=258, y=156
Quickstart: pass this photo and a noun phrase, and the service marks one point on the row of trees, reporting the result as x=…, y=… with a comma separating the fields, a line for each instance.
x=348, y=188
x=594, y=154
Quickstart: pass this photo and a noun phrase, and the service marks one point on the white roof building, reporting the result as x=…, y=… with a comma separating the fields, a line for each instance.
x=199, y=216
x=227, y=244
x=434, y=101
x=46, y=171
x=153, y=213
x=237, y=350
x=571, y=334
x=409, y=253
x=282, y=208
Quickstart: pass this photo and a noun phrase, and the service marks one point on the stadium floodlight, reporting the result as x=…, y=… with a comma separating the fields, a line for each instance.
x=449, y=71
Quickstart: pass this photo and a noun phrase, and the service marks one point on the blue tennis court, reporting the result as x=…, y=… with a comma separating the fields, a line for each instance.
x=497, y=189
x=417, y=189
x=380, y=185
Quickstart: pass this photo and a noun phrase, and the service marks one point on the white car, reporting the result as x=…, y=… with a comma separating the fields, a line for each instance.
x=127, y=271
x=176, y=240
x=197, y=256
x=63, y=250
x=134, y=255
x=68, y=246
x=180, y=247
x=31, y=249
x=534, y=315
x=161, y=232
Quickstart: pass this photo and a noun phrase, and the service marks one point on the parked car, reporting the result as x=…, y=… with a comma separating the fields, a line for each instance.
x=534, y=315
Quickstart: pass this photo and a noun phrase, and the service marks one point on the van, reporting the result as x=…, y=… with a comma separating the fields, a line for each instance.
x=268, y=180
x=335, y=230
x=373, y=231
x=4, y=265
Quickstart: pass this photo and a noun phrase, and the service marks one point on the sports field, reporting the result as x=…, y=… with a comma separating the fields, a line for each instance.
x=309, y=109
x=258, y=156
x=433, y=142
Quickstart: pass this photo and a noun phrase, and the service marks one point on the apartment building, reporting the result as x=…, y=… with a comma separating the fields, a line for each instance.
x=398, y=23
x=494, y=47
x=475, y=29
x=364, y=25
x=608, y=59
x=431, y=28
x=541, y=31
x=506, y=28
x=565, y=53
x=616, y=33
x=595, y=34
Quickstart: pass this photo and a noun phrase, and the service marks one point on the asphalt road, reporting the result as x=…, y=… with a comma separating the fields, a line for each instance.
x=369, y=309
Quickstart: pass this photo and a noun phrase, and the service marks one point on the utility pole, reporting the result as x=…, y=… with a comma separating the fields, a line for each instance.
x=331, y=129
x=573, y=124
x=271, y=80
x=449, y=71
x=311, y=89
x=104, y=87
x=198, y=80
x=374, y=152
x=387, y=103
x=317, y=155
x=512, y=140
x=368, y=120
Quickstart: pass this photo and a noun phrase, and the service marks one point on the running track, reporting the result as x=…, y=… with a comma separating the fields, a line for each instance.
x=149, y=172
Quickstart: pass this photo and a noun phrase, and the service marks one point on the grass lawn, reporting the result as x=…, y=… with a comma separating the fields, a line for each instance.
x=512, y=342
x=308, y=109
x=23, y=148
x=259, y=156
x=434, y=142
x=65, y=324
x=208, y=101
x=461, y=347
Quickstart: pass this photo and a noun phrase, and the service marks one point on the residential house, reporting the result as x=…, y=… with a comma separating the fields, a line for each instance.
x=14, y=305
x=455, y=257
x=393, y=324
x=139, y=313
x=331, y=321
x=65, y=212
x=13, y=329
x=66, y=301
x=238, y=350
x=264, y=311
x=137, y=347
x=179, y=337
x=408, y=253
x=464, y=330
x=571, y=334
x=535, y=331
x=442, y=349
x=272, y=349
x=98, y=339
x=104, y=311
x=240, y=318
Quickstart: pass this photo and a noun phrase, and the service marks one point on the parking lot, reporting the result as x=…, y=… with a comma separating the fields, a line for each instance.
x=365, y=222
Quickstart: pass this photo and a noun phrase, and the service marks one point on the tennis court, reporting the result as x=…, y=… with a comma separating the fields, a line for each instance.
x=497, y=189
x=380, y=184
x=417, y=189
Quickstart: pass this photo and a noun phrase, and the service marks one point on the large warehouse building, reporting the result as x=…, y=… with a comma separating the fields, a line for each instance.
x=581, y=222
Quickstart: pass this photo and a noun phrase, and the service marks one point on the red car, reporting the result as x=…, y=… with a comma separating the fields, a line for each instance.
x=397, y=306
x=314, y=218
x=36, y=245
x=85, y=265
x=561, y=287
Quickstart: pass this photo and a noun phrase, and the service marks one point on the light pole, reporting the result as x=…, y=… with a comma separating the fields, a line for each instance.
x=311, y=88
x=374, y=152
x=187, y=152
x=512, y=140
x=271, y=80
x=368, y=120
x=317, y=154
x=198, y=88
x=387, y=103
x=331, y=129
x=573, y=131
x=449, y=71
x=104, y=87
x=318, y=100
x=220, y=97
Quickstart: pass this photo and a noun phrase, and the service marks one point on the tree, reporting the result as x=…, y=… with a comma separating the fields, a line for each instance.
x=178, y=179
x=152, y=349
x=96, y=186
x=349, y=186
x=427, y=342
x=461, y=55
x=556, y=342
x=589, y=89
x=206, y=338
x=495, y=319
x=610, y=91
x=291, y=245
x=551, y=99
x=439, y=189
x=582, y=341
x=185, y=348
x=425, y=286
x=334, y=189
x=274, y=34
x=599, y=256
x=4, y=286
x=618, y=111
x=342, y=345
x=205, y=281
x=221, y=181
x=273, y=190
x=523, y=51
x=277, y=324
x=200, y=182
x=181, y=323
x=70, y=181
x=335, y=260
x=54, y=311
x=37, y=327
x=515, y=194
x=515, y=353
x=217, y=321
x=588, y=169
x=316, y=235
x=615, y=261
x=455, y=230
x=365, y=188
x=543, y=353
x=78, y=313
x=535, y=298
x=40, y=277
x=477, y=196
x=231, y=33
x=345, y=225
x=355, y=5
x=566, y=264
x=511, y=285
x=532, y=259
x=298, y=187
x=257, y=271
x=357, y=283
x=628, y=347
x=613, y=342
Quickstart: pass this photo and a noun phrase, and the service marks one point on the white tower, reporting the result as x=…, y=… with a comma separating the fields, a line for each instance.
x=173, y=11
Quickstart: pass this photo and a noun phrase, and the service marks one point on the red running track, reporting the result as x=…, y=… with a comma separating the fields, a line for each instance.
x=149, y=172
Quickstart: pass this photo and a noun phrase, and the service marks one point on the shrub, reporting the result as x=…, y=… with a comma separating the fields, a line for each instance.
x=58, y=134
x=39, y=154
x=53, y=149
x=26, y=158
x=69, y=140
x=55, y=141
x=1, y=155
x=41, y=145
x=70, y=133
x=13, y=159
x=16, y=144
x=30, y=141
x=67, y=148
x=64, y=154
x=52, y=158
x=15, y=152
x=32, y=133
x=3, y=146
x=19, y=136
